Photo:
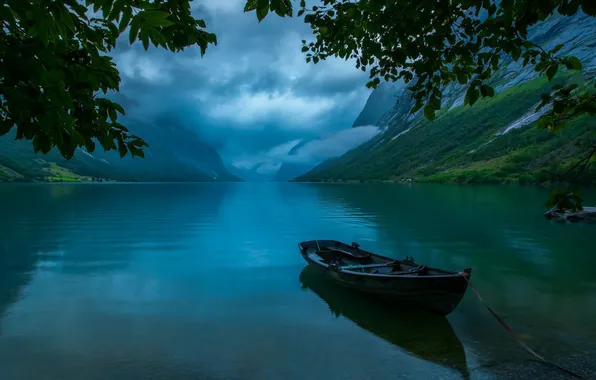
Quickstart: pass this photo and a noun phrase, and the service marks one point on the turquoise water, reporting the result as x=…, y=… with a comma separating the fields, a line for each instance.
x=205, y=281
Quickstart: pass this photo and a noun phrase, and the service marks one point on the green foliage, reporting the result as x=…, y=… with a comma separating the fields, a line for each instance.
x=431, y=43
x=462, y=146
x=565, y=200
x=56, y=69
x=55, y=61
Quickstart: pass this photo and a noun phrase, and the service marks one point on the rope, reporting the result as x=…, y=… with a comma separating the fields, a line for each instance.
x=517, y=339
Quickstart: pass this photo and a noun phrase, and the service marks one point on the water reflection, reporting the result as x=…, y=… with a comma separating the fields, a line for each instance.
x=537, y=274
x=93, y=229
x=425, y=336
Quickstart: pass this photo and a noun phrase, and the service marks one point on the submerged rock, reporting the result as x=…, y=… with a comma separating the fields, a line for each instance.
x=587, y=215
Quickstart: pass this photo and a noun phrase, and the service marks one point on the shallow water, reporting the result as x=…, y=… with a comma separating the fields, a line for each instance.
x=205, y=281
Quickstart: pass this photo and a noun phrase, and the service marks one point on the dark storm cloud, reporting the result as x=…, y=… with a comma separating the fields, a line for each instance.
x=249, y=94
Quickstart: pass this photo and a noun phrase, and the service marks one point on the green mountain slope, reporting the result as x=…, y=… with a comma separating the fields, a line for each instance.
x=466, y=145
x=174, y=154
x=494, y=141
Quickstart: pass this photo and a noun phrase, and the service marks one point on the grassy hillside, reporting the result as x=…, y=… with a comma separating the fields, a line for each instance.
x=174, y=154
x=19, y=163
x=463, y=145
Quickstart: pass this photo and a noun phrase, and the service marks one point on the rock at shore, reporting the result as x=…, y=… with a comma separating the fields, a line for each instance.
x=587, y=215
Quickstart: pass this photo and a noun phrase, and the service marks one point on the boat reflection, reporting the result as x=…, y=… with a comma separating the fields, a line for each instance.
x=426, y=336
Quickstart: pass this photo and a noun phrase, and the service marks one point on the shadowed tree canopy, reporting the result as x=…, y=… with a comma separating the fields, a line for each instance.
x=56, y=67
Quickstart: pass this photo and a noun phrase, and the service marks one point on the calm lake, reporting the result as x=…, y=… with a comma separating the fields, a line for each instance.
x=205, y=281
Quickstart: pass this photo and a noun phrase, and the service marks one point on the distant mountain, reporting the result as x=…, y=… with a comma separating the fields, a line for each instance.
x=251, y=175
x=492, y=141
x=174, y=154
x=380, y=101
x=290, y=170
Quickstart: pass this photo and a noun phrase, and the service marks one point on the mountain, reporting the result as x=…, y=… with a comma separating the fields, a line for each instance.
x=253, y=174
x=174, y=154
x=496, y=140
x=381, y=100
x=289, y=169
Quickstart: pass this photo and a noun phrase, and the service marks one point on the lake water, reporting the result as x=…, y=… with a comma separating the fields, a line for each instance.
x=205, y=281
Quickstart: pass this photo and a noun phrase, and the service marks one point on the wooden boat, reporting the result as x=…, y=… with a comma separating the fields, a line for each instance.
x=435, y=290
x=424, y=335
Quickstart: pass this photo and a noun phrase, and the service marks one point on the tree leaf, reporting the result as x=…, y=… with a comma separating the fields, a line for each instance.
x=66, y=19
x=5, y=126
x=429, y=113
x=112, y=114
x=251, y=5
x=122, y=148
x=156, y=18
x=572, y=63
x=552, y=71
x=125, y=19
x=556, y=49
x=472, y=95
x=487, y=90
x=462, y=78
x=90, y=146
x=201, y=23
x=515, y=54
x=135, y=26
x=262, y=9
x=145, y=37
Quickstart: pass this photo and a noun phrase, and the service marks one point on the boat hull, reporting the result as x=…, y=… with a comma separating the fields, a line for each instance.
x=435, y=294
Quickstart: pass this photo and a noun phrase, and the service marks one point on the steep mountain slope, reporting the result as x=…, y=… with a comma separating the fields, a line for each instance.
x=174, y=154
x=489, y=142
x=254, y=174
x=379, y=102
x=290, y=170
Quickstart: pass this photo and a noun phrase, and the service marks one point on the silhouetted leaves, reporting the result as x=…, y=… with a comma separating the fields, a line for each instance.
x=437, y=42
x=55, y=64
x=572, y=63
x=563, y=200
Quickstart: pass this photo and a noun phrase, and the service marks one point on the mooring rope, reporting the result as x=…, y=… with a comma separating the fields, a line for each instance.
x=517, y=339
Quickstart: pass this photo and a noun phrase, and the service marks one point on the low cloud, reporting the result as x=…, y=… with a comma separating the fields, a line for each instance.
x=311, y=152
x=251, y=92
x=333, y=146
x=287, y=109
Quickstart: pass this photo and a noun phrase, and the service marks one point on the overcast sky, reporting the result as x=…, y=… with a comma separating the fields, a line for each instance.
x=252, y=97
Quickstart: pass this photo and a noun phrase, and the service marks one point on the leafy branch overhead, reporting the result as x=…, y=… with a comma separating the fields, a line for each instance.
x=56, y=69
x=432, y=43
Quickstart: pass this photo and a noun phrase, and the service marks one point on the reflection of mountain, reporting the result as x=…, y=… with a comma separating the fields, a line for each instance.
x=18, y=233
x=86, y=229
x=174, y=154
x=425, y=336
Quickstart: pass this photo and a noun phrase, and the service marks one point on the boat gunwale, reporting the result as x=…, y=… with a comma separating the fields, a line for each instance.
x=449, y=274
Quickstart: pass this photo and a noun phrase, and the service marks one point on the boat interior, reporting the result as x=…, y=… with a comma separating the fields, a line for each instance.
x=352, y=258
